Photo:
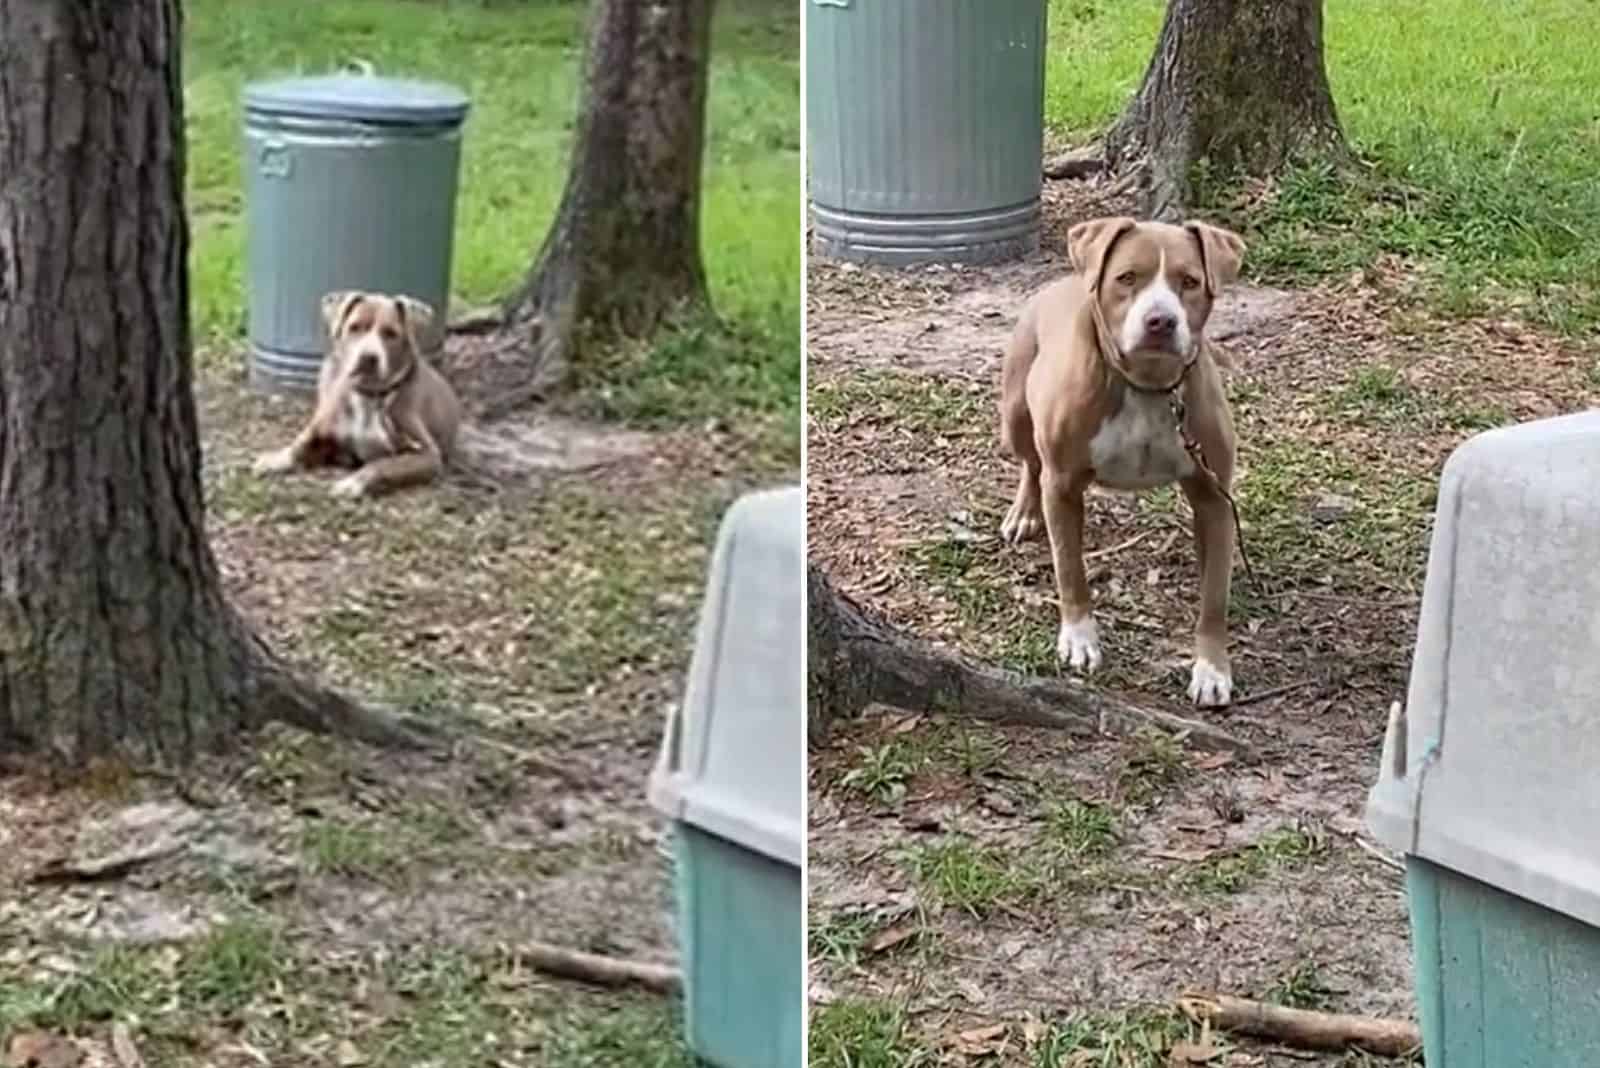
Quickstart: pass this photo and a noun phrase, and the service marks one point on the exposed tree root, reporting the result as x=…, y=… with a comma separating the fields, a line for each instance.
x=278, y=696
x=1074, y=165
x=857, y=658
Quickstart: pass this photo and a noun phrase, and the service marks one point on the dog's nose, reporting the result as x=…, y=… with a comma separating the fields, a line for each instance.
x=1160, y=324
x=366, y=363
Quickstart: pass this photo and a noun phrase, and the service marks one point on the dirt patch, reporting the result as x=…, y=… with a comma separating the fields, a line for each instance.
x=1251, y=880
x=326, y=903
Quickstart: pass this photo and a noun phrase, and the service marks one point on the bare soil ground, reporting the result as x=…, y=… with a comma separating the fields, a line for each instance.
x=317, y=902
x=1007, y=895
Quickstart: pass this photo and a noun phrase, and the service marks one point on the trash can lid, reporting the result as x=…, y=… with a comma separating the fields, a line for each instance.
x=360, y=97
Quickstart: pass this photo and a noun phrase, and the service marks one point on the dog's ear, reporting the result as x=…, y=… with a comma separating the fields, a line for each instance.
x=416, y=319
x=1222, y=251
x=336, y=308
x=1088, y=244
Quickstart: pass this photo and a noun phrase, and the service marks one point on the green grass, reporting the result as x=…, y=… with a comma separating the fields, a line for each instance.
x=917, y=404
x=1302, y=988
x=445, y=1007
x=1155, y=765
x=1135, y=1039
x=518, y=63
x=1285, y=479
x=1081, y=829
x=882, y=771
x=351, y=850
x=1283, y=849
x=959, y=873
x=859, y=1033
x=1483, y=151
x=220, y=973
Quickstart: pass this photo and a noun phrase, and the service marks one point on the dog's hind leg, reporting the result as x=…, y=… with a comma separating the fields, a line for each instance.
x=1024, y=520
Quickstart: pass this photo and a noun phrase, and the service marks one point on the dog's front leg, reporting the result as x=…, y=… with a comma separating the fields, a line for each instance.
x=1211, y=682
x=1078, y=641
x=420, y=464
x=296, y=454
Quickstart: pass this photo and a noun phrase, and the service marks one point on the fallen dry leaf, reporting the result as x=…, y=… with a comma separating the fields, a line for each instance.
x=890, y=937
x=41, y=1049
x=1187, y=1053
x=1212, y=761
x=350, y=1056
x=971, y=991
x=122, y=1045
x=981, y=1041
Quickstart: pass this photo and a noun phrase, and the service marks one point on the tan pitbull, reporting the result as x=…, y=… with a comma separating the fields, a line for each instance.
x=381, y=407
x=1098, y=369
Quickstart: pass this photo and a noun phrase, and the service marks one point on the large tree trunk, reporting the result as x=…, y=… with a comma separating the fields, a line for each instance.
x=1238, y=84
x=115, y=637
x=624, y=250
x=855, y=658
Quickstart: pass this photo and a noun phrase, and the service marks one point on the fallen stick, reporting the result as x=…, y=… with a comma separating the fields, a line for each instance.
x=598, y=970
x=1302, y=1028
x=1276, y=691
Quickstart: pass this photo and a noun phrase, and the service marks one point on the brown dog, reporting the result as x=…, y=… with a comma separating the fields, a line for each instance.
x=381, y=407
x=1099, y=371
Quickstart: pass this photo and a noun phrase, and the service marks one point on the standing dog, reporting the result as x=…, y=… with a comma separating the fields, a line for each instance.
x=381, y=407
x=1106, y=380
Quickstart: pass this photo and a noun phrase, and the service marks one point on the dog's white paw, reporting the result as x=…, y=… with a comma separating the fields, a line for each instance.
x=274, y=463
x=1078, y=645
x=1210, y=686
x=1021, y=525
x=349, y=486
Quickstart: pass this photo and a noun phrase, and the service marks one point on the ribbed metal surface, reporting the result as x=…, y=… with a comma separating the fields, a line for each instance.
x=336, y=203
x=925, y=128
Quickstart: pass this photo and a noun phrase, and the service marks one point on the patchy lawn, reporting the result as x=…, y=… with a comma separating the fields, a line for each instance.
x=1011, y=896
x=1482, y=153
x=323, y=903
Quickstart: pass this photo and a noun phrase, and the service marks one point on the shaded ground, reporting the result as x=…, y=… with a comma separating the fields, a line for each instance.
x=328, y=904
x=1009, y=893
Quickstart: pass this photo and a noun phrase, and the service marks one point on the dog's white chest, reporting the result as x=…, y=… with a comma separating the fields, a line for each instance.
x=363, y=428
x=1138, y=448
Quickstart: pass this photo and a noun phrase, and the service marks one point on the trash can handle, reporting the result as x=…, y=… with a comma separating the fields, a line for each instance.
x=831, y=3
x=274, y=159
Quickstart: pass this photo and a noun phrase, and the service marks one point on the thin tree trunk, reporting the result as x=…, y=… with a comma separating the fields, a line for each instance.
x=855, y=658
x=114, y=633
x=1237, y=84
x=624, y=250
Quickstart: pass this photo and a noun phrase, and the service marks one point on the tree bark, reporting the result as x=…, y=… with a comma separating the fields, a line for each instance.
x=115, y=637
x=1239, y=85
x=624, y=251
x=855, y=658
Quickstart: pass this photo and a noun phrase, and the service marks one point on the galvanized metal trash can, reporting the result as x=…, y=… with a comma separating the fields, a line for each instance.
x=1488, y=775
x=350, y=183
x=731, y=777
x=925, y=128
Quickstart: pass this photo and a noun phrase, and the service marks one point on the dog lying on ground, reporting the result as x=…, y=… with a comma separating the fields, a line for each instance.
x=1106, y=380
x=381, y=407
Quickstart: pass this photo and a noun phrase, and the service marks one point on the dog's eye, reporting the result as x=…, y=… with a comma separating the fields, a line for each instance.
x=388, y=333
x=1191, y=282
x=1127, y=278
